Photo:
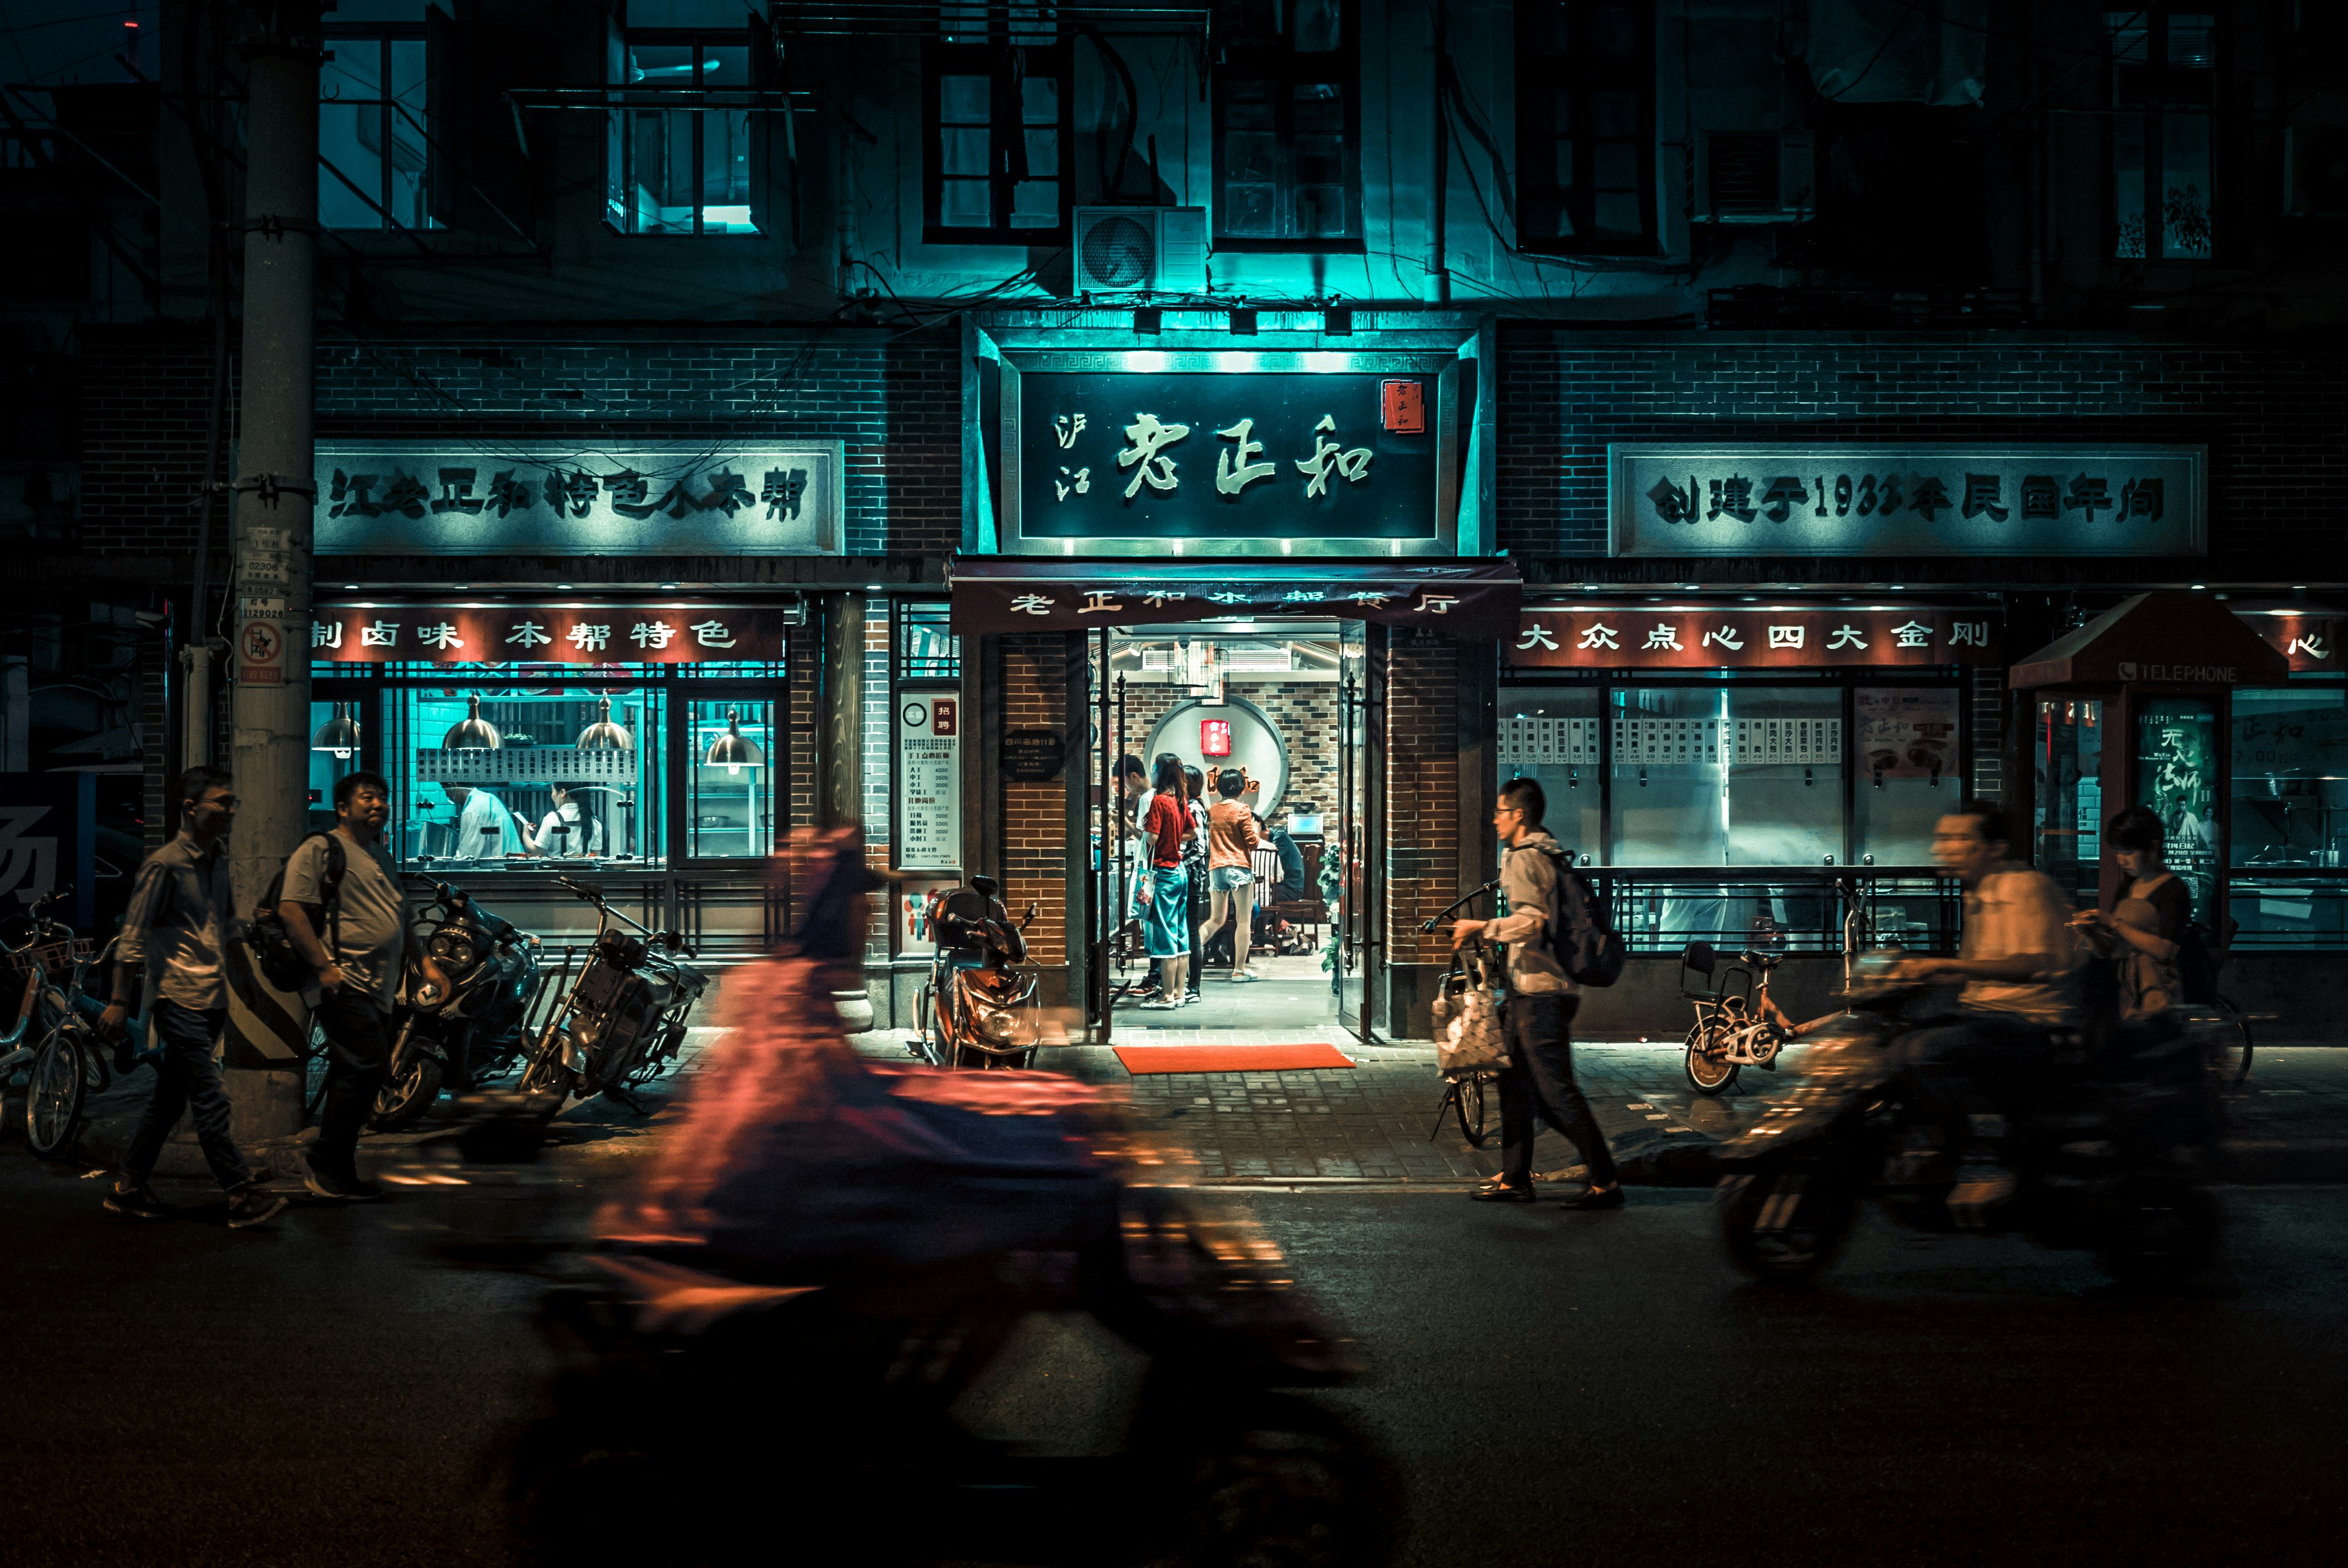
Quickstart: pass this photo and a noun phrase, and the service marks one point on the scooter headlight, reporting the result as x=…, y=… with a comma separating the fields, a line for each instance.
x=997, y=1026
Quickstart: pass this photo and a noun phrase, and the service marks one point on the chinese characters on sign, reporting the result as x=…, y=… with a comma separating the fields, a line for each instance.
x=1906, y=731
x=929, y=781
x=2309, y=640
x=1215, y=455
x=601, y=634
x=430, y=498
x=1680, y=636
x=1457, y=599
x=1681, y=499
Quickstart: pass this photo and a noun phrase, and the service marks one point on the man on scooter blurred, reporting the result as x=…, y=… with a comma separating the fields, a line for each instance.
x=2019, y=963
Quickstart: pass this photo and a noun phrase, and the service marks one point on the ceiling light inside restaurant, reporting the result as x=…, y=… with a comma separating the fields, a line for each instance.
x=339, y=734
x=603, y=735
x=733, y=751
x=472, y=733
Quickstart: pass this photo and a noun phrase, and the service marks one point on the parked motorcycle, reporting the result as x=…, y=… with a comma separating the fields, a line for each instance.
x=978, y=1009
x=2113, y=1152
x=622, y=1020
x=470, y=1029
x=917, y=1404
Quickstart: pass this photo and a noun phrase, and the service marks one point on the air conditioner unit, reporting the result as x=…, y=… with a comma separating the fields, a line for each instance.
x=2315, y=170
x=1161, y=250
x=1755, y=176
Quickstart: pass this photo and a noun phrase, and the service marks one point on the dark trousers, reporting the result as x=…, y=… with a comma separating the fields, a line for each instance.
x=1540, y=1078
x=1971, y=1068
x=187, y=1078
x=358, y=1057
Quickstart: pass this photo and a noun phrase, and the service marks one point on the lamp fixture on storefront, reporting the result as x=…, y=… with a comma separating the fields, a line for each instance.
x=732, y=751
x=472, y=733
x=339, y=734
x=603, y=735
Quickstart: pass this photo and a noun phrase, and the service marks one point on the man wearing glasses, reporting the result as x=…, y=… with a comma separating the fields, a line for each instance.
x=174, y=947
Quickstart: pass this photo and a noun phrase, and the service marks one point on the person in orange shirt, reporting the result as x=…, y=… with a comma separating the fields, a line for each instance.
x=1233, y=837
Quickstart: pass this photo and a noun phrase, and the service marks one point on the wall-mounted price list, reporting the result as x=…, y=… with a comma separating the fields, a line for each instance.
x=929, y=781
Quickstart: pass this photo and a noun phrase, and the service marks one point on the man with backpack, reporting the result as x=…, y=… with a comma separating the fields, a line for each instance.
x=175, y=939
x=1549, y=914
x=347, y=914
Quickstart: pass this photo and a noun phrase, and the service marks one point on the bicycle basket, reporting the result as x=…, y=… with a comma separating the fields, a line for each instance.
x=56, y=959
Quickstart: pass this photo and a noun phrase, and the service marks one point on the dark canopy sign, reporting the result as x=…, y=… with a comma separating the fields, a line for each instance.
x=1227, y=456
x=997, y=594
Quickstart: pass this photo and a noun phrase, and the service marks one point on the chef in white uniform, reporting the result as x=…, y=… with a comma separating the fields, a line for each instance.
x=484, y=829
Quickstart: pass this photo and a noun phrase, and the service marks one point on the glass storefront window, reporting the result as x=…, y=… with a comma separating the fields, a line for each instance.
x=1908, y=772
x=497, y=777
x=730, y=795
x=1550, y=735
x=1727, y=776
x=2291, y=777
x=2068, y=759
x=2176, y=776
x=336, y=738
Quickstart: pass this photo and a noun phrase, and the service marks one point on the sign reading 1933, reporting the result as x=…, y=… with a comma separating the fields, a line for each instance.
x=1226, y=455
x=1794, y=500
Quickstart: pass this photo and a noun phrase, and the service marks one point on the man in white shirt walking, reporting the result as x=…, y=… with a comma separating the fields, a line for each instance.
x=174, y=946
x=1537, y=1018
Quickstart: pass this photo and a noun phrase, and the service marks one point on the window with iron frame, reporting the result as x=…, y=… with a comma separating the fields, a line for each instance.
x=997, y=122
x=685, y=170
x=2164, y=133
x=1288, y=125
x=1586, y=128
x=379, y=94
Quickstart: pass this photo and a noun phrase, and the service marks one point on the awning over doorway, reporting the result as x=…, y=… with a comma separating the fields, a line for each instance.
x=2165, y=638
x=1031, y=593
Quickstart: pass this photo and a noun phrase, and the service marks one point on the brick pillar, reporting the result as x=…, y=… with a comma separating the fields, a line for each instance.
x=1037, y=857
x=1423, y=795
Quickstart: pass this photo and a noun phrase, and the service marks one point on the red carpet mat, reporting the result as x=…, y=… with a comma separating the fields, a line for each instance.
x=1141, y=1059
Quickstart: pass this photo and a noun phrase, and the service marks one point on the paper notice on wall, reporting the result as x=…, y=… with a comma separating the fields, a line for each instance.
x=1906, y=733
x=929, y=781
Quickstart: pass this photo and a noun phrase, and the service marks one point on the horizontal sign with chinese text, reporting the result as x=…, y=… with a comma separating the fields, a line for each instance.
x=1459, y=598
x=1670, y=498
x=2308, y=639
x=1225, y=456
x=594, y=635
x=679, y=497
x=1681, y=637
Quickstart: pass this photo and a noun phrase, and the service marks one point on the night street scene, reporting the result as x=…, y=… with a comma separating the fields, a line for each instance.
x=648, y=645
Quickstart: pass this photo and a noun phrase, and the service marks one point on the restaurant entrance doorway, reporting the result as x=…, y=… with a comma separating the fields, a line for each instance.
x=1265, y=720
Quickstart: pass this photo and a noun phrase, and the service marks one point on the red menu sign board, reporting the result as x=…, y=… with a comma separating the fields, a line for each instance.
x=1707, y=637
x=572, y=634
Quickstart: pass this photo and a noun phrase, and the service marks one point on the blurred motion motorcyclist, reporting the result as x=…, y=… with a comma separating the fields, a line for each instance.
x=2019, y=963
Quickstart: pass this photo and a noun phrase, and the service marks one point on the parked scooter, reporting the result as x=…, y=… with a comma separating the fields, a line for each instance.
x=2112, y=1152
x=621, y=1023
x=471, y=1029
x=979, y=1009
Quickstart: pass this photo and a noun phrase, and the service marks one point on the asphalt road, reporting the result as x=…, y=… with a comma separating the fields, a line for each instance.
x=1553, y=1388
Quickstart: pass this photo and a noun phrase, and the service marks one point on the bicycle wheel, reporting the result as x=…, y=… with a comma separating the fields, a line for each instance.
x=1467, y=1104
x=53, y=1099
x=1709, y=1070
x=2229, y=1045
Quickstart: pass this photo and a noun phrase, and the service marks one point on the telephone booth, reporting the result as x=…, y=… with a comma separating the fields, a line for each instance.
x=2134, y=708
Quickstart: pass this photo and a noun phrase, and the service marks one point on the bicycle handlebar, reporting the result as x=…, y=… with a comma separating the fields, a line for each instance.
x=1436, y=919
x=670, y=938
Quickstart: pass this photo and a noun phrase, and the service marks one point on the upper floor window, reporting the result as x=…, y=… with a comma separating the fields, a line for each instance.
x=690, y=169
x=1586, y=127
x=375, y=157
x=1288, y=124
x=996, y=118
x=2164, y=92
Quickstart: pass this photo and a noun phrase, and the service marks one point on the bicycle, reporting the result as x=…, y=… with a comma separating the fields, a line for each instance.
x=1736, y=1025
x=65, y=1064
x=1477, y=970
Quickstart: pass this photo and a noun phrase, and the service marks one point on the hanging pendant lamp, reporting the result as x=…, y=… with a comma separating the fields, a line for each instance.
x=603, y=735
x=733, y=749
x=473, y=732
x=339, y=734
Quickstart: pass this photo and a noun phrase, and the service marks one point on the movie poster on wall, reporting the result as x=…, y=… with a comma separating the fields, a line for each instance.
x=1906, y=731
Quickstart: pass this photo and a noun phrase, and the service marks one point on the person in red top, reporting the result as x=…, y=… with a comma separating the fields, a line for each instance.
x=1232, y=839
x=1164, y=892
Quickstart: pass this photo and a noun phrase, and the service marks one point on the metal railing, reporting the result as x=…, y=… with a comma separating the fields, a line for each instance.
x=1660, y=911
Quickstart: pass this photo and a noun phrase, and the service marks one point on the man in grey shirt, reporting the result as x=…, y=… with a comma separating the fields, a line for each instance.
x=1536, y=1018
x=358, y=940
x=174, y=949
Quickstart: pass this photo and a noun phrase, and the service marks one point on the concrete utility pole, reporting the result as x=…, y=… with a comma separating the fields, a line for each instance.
x=275, y=498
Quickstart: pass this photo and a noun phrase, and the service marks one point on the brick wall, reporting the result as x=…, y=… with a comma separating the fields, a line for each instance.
x=1303, y=712
x=1989, y=701
x=2269, y=410
x=1422, y=804
x=1036, y=855
x=894, y=399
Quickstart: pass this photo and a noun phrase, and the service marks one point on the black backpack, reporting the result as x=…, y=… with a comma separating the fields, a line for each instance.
x=1587, y=947
x=280, y=963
